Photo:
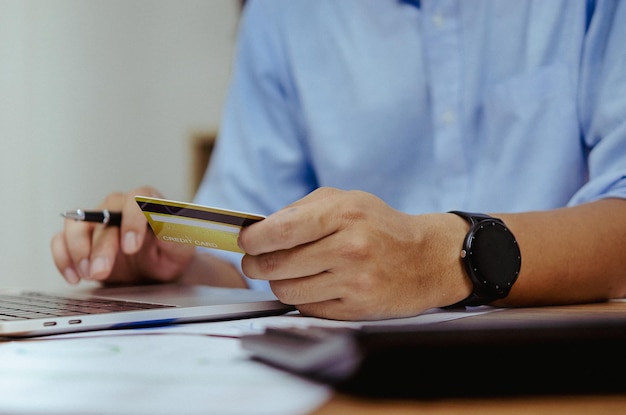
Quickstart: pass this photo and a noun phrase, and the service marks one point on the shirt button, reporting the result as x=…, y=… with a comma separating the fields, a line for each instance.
x=448, y=117
x=438, y=20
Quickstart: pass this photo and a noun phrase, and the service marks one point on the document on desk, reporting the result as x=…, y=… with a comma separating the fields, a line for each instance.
x=189, y=369
x=146, y=374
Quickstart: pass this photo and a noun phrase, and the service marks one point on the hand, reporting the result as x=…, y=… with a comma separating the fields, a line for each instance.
x=129, y=253
x=347, y=255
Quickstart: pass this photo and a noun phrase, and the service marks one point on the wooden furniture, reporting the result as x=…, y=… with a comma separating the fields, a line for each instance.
x=202, y=144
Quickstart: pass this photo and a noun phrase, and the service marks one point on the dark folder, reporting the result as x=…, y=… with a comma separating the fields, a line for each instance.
x=539, y=351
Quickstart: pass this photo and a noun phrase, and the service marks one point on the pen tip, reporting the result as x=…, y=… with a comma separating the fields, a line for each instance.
x=71, y=215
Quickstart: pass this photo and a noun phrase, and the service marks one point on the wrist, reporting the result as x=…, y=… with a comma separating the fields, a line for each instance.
x=460, y=286
x=440, y=260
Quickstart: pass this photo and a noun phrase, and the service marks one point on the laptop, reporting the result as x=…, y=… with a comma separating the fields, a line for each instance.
x=25, y=313
x=514, y=352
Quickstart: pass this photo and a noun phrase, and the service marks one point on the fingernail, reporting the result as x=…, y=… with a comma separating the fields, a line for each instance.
x=130, y=242
x=70, y=276
x=83, y=268
x=98, y=266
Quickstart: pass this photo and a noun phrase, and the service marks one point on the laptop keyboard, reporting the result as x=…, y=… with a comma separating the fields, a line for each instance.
x=31, y=305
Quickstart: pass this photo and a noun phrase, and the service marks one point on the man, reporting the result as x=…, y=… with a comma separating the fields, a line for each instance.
x=370, y=120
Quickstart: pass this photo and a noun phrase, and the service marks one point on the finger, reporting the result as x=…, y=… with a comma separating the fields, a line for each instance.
x=129, y=237
x=133, y=228
x=77, y=239
x=337, y=310
x=105, y=247
x=329, y=295
x=321, y=296
x=93, y=247
x=62, y=260
x=309, y=219
x=306, y=290
x=81, y=237
x=301, y=261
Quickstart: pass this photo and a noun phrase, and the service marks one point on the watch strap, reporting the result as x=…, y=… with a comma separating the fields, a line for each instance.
x=474, y=218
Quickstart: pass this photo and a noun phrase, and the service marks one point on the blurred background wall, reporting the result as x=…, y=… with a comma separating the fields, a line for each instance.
x=97, y=96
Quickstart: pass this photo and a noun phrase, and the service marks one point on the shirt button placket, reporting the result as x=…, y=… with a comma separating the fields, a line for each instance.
x=441, y=30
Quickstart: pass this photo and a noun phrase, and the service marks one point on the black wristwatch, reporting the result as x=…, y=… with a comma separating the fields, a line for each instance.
x=492, y=259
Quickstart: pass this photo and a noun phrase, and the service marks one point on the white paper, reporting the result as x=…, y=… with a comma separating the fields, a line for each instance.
x=146, y=374
x=181, y=369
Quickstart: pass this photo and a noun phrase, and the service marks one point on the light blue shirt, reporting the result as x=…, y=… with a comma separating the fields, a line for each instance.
x=486, y=106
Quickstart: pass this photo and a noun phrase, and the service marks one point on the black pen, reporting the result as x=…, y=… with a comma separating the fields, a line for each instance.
x=104, y=216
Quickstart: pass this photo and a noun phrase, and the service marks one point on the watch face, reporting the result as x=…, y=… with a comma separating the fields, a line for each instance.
x=494, y=256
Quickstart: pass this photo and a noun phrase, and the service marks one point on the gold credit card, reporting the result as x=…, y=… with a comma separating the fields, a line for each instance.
x=192, y=224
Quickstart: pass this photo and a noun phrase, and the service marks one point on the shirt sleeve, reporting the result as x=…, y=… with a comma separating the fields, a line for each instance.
x=602, y=104
x=258, y=160
x=260, y=150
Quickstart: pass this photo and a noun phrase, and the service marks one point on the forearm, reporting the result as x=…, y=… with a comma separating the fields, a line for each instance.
x=206, y=269
x=570, y=255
